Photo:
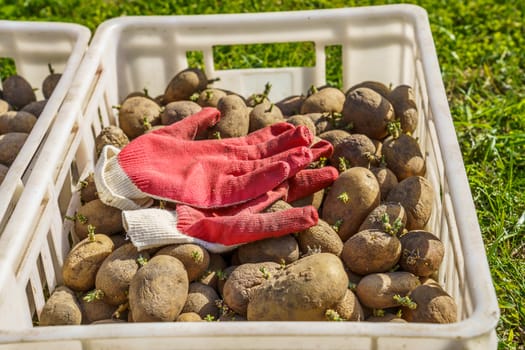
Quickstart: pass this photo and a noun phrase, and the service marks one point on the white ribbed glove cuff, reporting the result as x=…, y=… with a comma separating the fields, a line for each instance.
x=114, y=187
x=153, y=227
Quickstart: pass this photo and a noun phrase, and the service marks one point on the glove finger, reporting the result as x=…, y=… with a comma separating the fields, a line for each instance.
x=309, y=181
x=190, y=126
x=296, y=158
x=245, y=228
x=291, y=138
x=322, y=148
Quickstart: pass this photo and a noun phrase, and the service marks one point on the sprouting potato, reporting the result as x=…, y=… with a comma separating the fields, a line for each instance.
x=62, y=308
x=10, y=145
x=265, y=114
x=371, y=251
x=416, y=195
x=83, y=261
x=235, y=118
x=291, y=105
x=184, y=84
x=16, y=121
x=367, y=112
x=137, y=114
x=158, y=290
x=104, y=218
x=404, y=157
x=405, y=107
x=110, y=135
x=17, y=91
x=202, y=300
x=282, y=250
x=195, y=258
x=352, y=196
x=302, y=291
x=177, y=110
x=422, y=253
x=328, y=99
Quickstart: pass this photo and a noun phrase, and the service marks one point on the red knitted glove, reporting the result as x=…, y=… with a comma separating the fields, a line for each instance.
x=167, y=164
x=223, y=229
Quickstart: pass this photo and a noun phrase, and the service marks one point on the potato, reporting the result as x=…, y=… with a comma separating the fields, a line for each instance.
x=302, y=291
x=349, y=308
x=328, y=99
x=335, y=136
x=314, y=199
x=322, y=121
x=4, y=107
x=243, y=280
x=367, y=112
x=404, y=102
x=49, y=84
x=389, y=217
x=189, y=317
x=379, y=290
x=433, y=305
x=115, y=273
x=96, y=310
x=10, y=145
x=88, y=188
x=137, y=114
x=403, y=156
x=354, y=150
x=235, y=118
x=177, y=110
x=16, y=121
x=386, y=179
x=184, y=84
x=195, y=258
x=35, y=108
x=17, y=91
x=110, y=135
x=352, y=196
x=216, y=266
x=416, y=195
x=282, y=250
x=62, y=308
x=158, y=290
x=371, y=251
x=202, y=300
x=291, y=105
x=210, y=97
x=377, y=86
x=265, y=114
x=422, y=253
x=322, y=237
x=300, y=119
x=104, y=218
x=83, y=261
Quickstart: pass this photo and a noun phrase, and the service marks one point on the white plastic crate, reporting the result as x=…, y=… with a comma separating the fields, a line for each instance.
x=32, y=46
x=392, y=44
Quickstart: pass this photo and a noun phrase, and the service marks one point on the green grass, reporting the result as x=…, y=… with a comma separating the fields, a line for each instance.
x=481, y=49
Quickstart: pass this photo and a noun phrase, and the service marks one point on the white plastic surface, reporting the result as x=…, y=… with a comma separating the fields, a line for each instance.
x=392, y=44
x=32, y=46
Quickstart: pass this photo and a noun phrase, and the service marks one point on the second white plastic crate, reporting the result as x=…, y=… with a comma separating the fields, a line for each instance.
x=392, y=44
x=32, y=46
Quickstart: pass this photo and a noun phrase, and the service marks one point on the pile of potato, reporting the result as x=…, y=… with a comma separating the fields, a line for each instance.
x=19, y=110
x=369, y=258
